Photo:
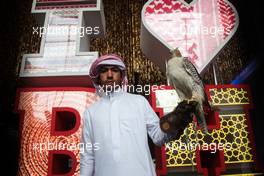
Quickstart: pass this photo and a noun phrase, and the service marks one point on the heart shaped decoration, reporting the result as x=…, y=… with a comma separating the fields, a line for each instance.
x=199, y=28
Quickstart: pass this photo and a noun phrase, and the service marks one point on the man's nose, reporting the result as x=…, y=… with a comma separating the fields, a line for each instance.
x=109, y=73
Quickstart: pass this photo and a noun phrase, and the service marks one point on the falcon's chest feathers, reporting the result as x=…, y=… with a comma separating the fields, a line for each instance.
x=175, y=67
x=178, y=76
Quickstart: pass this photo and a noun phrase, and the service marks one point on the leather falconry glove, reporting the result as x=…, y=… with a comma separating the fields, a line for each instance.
x=178, y=119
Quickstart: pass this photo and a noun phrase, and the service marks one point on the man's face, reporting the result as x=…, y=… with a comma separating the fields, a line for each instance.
x=109, y=76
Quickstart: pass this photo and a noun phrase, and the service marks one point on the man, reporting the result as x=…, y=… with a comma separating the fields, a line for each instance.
x=119, y=122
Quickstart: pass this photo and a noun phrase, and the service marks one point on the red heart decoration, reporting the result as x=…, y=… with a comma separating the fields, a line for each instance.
x=199, y=28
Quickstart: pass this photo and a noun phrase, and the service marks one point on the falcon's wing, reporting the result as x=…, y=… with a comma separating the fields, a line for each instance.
x=192, y=71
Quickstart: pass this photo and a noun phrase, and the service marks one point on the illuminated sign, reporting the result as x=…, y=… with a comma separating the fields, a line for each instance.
x=56, y=4
x=51, y=118
x=228, y=146
x=50, y=129
x=200, y=29
x=64, y=51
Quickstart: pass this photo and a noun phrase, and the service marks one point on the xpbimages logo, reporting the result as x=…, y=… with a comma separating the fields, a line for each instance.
x=57, y=30
x=212, y=147
x=142, y=89
x=48, y=145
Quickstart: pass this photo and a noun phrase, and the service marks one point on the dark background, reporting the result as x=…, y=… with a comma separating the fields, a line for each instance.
x=13, y=13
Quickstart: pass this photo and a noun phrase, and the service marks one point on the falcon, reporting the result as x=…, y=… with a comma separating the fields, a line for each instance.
x=185, y=79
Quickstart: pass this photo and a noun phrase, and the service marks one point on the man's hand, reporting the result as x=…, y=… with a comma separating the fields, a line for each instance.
x=179, y=118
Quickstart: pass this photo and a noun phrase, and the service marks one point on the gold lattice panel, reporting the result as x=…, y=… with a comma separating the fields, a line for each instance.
x=229, y=96
x=233, y=131
x=244, y=174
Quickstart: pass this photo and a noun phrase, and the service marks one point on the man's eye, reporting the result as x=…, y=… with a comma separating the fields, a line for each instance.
x=103, y=70
x=115, y=70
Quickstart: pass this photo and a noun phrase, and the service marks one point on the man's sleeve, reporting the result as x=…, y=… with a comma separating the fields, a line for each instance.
x=153, y=126
x=87, y=154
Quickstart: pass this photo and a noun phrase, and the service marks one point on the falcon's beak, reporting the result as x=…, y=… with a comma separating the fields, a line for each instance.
x=176, y=52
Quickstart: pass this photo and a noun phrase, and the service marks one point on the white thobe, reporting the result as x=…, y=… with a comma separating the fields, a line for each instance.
x=118, y=124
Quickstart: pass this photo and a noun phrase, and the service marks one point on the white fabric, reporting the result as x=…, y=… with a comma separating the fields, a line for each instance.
x=121, y=65
x=119, y=122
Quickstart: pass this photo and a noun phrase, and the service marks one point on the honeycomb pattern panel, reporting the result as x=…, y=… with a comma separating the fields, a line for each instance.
x=232, y=137
x=248, y=174
x=229, y=96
